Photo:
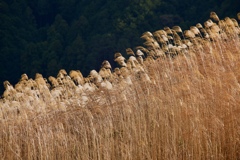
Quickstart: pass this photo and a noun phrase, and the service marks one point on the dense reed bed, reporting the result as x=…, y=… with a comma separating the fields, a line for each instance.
x=190, y=111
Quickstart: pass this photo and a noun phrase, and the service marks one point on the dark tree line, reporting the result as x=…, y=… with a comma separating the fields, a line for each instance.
x=45, y=36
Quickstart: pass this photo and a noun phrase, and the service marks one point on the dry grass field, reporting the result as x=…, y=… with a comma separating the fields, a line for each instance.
x=190, y=110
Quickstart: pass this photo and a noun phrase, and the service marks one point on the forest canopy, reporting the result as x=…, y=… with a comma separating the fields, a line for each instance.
x=40, y=36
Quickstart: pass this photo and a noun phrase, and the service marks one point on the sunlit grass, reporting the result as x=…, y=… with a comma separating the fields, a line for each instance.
x=189, y=111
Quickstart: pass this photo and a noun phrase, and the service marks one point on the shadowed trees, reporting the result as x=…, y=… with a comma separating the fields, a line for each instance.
x=45, y=36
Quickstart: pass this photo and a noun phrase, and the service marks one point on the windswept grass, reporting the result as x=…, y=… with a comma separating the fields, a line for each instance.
x=190, y=111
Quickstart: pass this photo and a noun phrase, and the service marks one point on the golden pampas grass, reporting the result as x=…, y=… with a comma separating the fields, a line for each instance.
x=177, y=29
x=229, y=22
x=130, y=52
x=189, y=34
x=214, y=17
x=195, y=30
x=168, y=30
x=185, y=106
x=199, y=25
x=238, y=16
x=208, y=23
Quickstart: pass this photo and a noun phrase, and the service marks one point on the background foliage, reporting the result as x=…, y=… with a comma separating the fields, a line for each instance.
x=44, y=36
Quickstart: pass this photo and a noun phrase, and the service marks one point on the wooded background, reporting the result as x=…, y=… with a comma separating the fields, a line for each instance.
x=42, y=36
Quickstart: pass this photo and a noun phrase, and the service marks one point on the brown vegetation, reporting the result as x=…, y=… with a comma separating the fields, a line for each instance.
x=189, y=110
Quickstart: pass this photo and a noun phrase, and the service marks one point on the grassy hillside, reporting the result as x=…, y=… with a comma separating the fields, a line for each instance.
x=189, y=110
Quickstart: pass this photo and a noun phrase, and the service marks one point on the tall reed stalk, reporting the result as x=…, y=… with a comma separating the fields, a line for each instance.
x=190, y=111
